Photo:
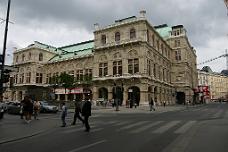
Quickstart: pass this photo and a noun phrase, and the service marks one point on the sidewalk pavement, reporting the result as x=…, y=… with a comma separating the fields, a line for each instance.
x=13, y=129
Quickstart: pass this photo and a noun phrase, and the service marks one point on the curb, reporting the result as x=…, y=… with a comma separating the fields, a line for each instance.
x=20, y=138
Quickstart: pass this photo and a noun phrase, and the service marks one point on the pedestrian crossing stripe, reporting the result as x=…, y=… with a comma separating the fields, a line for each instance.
x=146, y=127
x=141, y=126
x=132, y=125
x=185, y=127
x=166, y=127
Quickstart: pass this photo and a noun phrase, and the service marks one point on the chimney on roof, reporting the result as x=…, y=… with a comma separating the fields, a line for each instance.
x=142, y=14
x=96, y=26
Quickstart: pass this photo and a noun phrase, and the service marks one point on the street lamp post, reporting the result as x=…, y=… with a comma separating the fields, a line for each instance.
x=4, y=50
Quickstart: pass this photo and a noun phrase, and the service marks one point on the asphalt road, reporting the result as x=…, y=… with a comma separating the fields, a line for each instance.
x=196, y=129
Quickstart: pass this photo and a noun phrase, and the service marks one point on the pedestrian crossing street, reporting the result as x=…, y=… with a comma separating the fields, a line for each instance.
x=149, y=127
x=131, y=127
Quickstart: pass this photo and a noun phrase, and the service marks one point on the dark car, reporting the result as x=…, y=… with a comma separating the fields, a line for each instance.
x=14, y=108
x=46, y=107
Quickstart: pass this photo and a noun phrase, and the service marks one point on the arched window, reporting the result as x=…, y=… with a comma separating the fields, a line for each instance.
x=103, y=39
x=40, y=57
x=117, y=36
x=132, y=33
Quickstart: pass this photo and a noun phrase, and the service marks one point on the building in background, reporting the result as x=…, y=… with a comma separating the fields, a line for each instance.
x=217, y=83
x=131, y=55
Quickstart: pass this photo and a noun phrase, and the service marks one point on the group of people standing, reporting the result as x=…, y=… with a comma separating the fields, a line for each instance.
x=81, y=109
x=28, y=108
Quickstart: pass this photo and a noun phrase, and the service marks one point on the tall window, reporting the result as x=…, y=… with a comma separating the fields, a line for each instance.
x=178, y=55
x=153, y=41
x=117, y=36
x=29, y=55
x=133, y=66
x=103, y=69
x=88, y=74
x=155, y=70
x=103, y=39
x=117, y=67
x=79, y=75
x=162, y=47
x=28, y=77
x=16, y=59
x=48, y=78
x=21, y=79
x=176, y=43
x=23, y=57
x=132, y=33
x=148, y=67
x=158, y=47
x=148, y=36
x=39, y=77
x=40, y=57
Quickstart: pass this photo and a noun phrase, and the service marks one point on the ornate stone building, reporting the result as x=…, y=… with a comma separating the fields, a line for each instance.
x=132, y=55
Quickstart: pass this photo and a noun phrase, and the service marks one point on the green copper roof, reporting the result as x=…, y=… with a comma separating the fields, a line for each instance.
x=164, y=30
x=78, y=50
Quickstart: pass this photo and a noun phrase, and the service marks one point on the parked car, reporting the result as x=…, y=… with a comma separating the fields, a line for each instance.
x=13, y=108
x=1, y=110
x=46, y=107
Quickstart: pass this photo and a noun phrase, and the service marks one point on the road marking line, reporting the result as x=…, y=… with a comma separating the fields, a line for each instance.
x=88, y=146
x=121, y=123
x=95, y=130
x=146, y=127
x=185, y=127
x=75, y=130
x=217, y=114
x=132, y=125
x=166, y=127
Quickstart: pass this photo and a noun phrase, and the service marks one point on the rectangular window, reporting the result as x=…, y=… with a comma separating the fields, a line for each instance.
x=39, y=77
x=178, y=55
x=21, y=79
x=88, y=74
x=148, y=67
x=103, y=69
x=155, y=70
x=133, y=66
x=28, y=77
x=79, y=75
x=177, y=43
x=117, y=68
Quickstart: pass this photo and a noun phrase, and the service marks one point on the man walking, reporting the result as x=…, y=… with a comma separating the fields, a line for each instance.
x=63, y=114
x=152, y=106
x=86, y=112
x=77, y=113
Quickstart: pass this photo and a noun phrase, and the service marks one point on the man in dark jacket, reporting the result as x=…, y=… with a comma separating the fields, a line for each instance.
x=86, y=112
x=77, y=113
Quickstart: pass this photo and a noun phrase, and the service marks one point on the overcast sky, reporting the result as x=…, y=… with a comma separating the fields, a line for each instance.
x=64, y=22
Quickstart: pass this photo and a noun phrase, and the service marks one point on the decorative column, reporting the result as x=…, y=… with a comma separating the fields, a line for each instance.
x=125, y=95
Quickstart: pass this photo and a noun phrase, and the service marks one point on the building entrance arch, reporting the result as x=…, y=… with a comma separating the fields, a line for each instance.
x=134, y=95
x=117, y=93
x=180, y=98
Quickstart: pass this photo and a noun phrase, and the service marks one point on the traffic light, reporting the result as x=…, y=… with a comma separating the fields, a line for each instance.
x=6, y=76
